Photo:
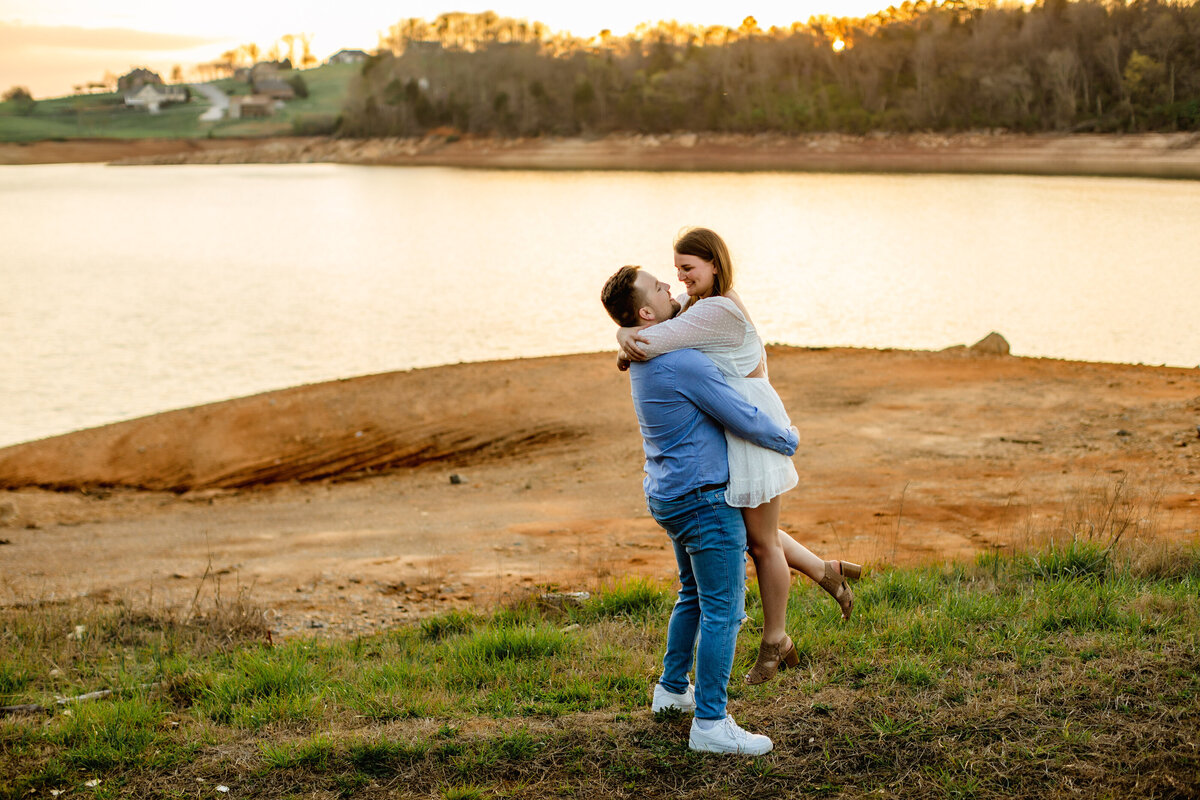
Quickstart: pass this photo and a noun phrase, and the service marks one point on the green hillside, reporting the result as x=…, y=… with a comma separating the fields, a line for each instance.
x=104, y=116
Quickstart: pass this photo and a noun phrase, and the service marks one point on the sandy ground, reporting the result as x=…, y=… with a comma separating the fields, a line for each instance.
x=71, y=151
x=1175, y=155
x=335, y=503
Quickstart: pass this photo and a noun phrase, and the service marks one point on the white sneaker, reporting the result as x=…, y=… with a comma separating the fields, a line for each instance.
x=727, y=737
x=664, y=699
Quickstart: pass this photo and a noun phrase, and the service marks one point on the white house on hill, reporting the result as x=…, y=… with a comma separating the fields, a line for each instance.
x=153, y=96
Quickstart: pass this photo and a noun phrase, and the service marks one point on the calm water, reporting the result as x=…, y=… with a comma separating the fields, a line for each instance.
x=126, y=291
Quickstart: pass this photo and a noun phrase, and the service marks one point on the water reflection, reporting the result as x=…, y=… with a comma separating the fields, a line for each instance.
x=133, y=290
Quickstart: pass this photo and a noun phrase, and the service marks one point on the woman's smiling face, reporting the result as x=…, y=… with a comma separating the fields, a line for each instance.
x=696, y=275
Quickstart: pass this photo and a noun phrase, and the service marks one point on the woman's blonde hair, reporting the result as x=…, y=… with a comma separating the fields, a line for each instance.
x=708, y=246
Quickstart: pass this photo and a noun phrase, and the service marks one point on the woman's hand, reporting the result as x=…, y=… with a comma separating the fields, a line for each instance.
x=628, y=339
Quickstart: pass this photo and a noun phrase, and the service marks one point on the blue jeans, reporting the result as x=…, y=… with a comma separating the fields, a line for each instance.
x=710, y=548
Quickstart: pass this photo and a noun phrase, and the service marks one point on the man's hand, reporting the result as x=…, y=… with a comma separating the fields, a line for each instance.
x=628, y=339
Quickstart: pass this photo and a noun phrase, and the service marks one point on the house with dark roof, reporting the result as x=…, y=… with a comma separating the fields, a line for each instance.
x=275, y=88
x=348, y=57
x=136, y=79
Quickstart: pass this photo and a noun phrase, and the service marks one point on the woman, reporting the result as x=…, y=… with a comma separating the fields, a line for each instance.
x=714, y=321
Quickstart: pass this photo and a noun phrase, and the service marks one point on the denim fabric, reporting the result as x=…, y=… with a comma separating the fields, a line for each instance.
x=710, y=543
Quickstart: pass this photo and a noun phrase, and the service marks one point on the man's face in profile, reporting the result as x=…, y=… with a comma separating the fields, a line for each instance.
x=656, y=296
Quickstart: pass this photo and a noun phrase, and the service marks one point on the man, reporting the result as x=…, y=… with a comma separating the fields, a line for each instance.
x=683, y=406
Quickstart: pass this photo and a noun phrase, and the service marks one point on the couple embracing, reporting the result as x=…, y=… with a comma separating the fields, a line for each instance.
x=718, y=447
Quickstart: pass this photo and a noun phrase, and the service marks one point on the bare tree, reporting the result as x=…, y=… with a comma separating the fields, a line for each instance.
x=289, y=39
x=307, y=59
x=1062, y=71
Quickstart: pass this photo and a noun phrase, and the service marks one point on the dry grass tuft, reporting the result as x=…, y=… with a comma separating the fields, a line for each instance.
x=1105, y=530
x=226, y=622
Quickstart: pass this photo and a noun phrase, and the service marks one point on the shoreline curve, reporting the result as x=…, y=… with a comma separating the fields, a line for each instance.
x=1153, y=155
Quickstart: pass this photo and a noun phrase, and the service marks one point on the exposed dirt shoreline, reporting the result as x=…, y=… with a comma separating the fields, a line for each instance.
x=335, y=500
x=1174, y=155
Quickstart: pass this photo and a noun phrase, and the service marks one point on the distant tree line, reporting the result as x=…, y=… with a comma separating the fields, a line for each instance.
x=282, y=51
x=1059, y=65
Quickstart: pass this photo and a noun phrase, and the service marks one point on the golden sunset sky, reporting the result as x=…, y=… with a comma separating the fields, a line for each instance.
x=51, y=45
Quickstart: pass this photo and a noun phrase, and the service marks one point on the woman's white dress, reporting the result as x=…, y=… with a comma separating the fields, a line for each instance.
x=717, y=327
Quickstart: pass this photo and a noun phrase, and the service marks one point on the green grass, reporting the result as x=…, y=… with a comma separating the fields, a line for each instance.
x=1071, y=559
x=12, y=680
x=101, y=116
x=989, y=680
x=104, y=736
x=442, y=625
x=105, y=115
x=632, y=600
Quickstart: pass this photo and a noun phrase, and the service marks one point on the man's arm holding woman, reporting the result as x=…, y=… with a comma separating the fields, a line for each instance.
x=703, y=384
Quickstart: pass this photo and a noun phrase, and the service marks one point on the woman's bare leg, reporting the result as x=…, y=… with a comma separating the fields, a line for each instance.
x=800, y=558
x=803, y=560
x=774, y=578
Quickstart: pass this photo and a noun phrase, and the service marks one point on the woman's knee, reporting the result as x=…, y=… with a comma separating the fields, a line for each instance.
x=761, y=549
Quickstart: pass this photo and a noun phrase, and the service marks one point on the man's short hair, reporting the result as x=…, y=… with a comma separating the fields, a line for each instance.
x=621, y=298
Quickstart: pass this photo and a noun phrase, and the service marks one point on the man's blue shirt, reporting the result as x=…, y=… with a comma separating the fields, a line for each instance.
x=684, y=405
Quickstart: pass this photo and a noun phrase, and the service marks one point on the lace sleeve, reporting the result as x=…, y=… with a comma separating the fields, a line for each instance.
x=714, y=324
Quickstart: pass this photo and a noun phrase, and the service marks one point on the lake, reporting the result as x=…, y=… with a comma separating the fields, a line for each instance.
x=130, y=290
